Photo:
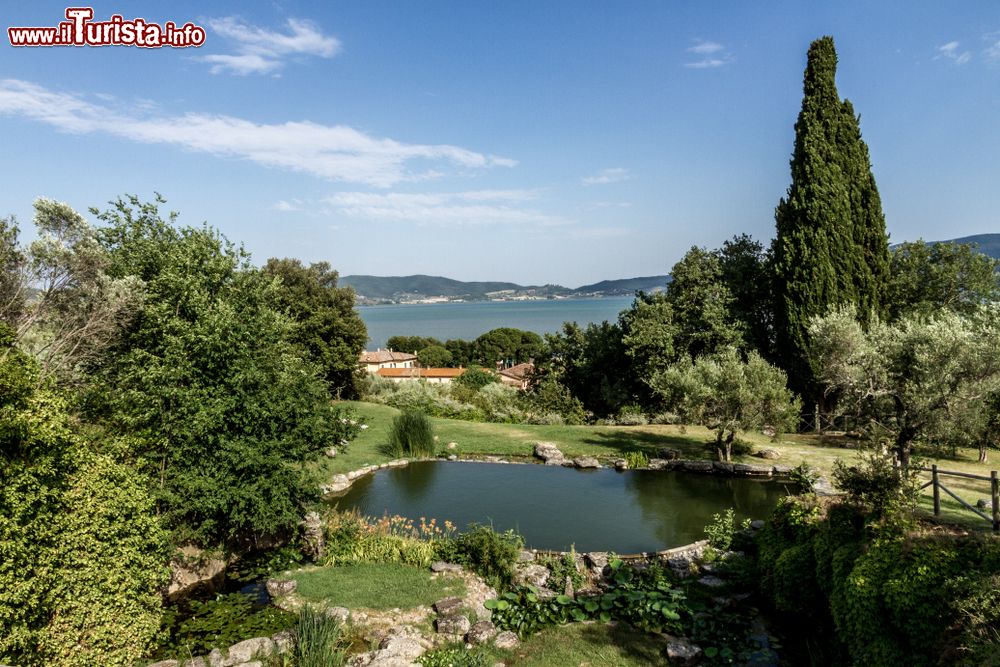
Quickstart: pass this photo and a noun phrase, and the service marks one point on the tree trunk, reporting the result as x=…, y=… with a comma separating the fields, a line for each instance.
x=904, y=447
x=983, y=452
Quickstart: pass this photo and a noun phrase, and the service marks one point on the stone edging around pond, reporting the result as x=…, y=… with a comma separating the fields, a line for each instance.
x=550, y=454
x=243, y=654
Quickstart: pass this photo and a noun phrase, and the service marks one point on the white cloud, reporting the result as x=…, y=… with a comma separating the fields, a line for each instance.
x=335, y=152
x=712, y=54
x=992, y=52
x=263, y=51
x=476, y=207
x=605, y=176
x=283, y=205
x=951, y=52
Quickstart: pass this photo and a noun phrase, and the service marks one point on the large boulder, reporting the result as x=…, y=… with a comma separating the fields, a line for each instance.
x=506, y=640
x=586, y=462
x=278, y=588
x=195, y=571
x=480, y=633
x=531, y=575
x=548, y=452
x=313, y=540
x=449, y=606
x=770, y=454
x=456, y=624
x=246, y=651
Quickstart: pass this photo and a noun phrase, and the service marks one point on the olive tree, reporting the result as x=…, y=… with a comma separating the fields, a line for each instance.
x=728, y=394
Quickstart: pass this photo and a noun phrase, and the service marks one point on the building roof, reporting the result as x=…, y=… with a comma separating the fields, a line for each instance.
x=383, y=356
x=519, y=372
x=418, y=373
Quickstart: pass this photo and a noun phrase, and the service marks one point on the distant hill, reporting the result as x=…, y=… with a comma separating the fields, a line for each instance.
x=625, y=286
x=421, y=287
x=989, y=244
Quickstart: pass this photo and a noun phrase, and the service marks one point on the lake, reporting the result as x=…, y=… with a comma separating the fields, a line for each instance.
x=555, y=508
x=469, y=320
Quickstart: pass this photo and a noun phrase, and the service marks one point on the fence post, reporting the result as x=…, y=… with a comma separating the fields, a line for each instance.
x=937, y=491
x=995, y=484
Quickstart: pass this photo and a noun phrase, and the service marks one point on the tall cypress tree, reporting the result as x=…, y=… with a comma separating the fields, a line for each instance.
x=831, y=246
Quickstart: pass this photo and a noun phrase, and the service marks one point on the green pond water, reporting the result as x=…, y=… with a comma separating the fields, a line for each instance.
x=554, y=508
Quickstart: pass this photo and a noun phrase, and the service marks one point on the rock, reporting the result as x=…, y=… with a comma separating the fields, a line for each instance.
x=284, y=641
x=699, y=466
x=711, y=581
x=769, y=431
x=313, y=539
x=339, y=613
x=621, y=464
x=195, y=662
x=546, y=594
x=770, y=454
x=723, y=467
x=984, y=504
x=331, y=452
x=337, y=484
x=823, y=487
x=165, y=663
x=452, y=457
x=548, y=452
x=757, y=524
x=452, y=445
x=360, y=472
x=586, y=462
x=448, y=606
x=397, y=463
x=441, y=566
x=682, y=652
x=480, y=633
x=596, y=560
x=782, y=470
x=525, y=556
x=531, y=575
x=193, y=570
x=252, y=663
x=506, y=640
x=752, y=469
x=660, y=464
x=669, y=454
x=247, y=650
x=401, y=646
x=277, y=588
x=568, y=588
x=456, y=624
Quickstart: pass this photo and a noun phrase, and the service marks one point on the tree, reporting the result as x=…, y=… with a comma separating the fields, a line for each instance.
x=728, y=394
x=702, y=305
x=327, y=327
x=929, y=277
x=917, y=378
x=831, y=246
x=411, y=343
x=593, y=364
x=434, y=356
x=223, y=409
x=744, y=267
x=507, y=345
x=648, y=333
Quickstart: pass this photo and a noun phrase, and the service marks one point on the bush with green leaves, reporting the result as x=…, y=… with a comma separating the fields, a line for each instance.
x=720, y=531
x=887, y=491
x=636, y=460
x=500, y=403
x=564, y=567
x=352, y=538
x=411, y=435
x=490, y=554
x=455, y=656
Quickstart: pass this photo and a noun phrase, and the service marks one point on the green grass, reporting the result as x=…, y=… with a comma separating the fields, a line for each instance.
x=375, y=586
x=517, y=440
x=587, y=644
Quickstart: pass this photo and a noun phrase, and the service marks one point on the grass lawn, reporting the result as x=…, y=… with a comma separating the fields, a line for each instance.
x=587, y=645
x=375, y=586
x=517, y=440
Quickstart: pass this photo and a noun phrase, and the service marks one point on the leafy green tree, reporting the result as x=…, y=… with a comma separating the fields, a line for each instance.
x=729, y=395
x=462, y=352
x=411, y=343
x=929, y=277
x=475, y=378
x=831, y=246
x=81, y=552
x=593, y=364
x=327, y=327
x=648, y=333
x=701, y=304
x=509, y=345
x=548, y=395
x=223, y=408
x=744, y=265
x=918, y=377
x=434, y=356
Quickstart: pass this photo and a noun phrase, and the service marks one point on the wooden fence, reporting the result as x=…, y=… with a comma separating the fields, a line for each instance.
x=937, y=486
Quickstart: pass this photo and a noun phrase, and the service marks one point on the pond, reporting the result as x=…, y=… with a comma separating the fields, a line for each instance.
x=555, y=508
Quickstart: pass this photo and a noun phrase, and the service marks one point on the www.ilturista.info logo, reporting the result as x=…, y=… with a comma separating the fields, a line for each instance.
x=80, y=30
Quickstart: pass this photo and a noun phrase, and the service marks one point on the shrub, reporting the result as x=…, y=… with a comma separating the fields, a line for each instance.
x=877, y=485
x=631, y=415
x=563, y=567
x=720, y=531
x=547, y=419
x=636, y=459
x=499, y=402
x=351, y=538
x=411, y=435
x=319, y=640
x=489, y=554
x=455, y=656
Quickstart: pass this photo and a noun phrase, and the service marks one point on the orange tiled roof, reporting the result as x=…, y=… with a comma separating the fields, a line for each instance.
x=519, y=372
x=382, y=356
x=417, y=373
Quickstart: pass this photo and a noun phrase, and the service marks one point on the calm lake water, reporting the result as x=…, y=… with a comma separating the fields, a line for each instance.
x=468, y=321
x=554, y=508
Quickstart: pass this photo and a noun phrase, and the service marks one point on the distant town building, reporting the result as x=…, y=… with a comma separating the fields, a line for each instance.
x=518, y=376
x=431, y=375
x=380, y=359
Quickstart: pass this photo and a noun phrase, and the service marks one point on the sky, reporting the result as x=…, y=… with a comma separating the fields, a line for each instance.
x=526, y=141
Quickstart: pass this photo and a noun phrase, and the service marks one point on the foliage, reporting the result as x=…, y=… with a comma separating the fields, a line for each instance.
x=720, y=530
x=455, y=656
x=727, y=636
x=433, y=399
x=68, y=509
x=411, y=435
x=875, y=483
x=488, y=553
x=221, y=408
x=351, y=538
x=645, y=599
x=327, y=329
x=196, y=627
x=745, y=270
x=648, y=332
x=921, y=379
x=411, y=343
x=509, y=345
x=475, y=378
x=319, y=640
x=593, y=364
x=929, y=277
x=831, y=246
x=728, y=395
x=636, y=460
x=549, y=396
x=562, y=567
x=500, y=403
x=434, y=356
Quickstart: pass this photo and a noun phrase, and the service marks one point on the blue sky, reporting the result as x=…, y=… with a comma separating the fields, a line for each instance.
x=536, y=142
